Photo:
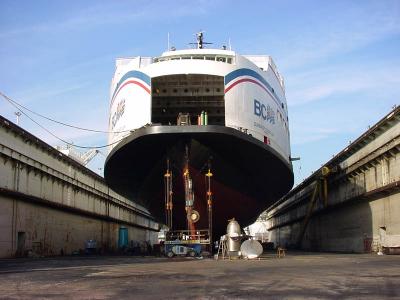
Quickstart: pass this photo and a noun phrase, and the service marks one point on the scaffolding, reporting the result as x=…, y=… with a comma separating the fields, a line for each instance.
x=168, y=196
x=191, y=235
x=209, y=200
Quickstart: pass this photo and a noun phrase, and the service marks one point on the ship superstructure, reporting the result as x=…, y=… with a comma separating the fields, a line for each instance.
x=228, y=109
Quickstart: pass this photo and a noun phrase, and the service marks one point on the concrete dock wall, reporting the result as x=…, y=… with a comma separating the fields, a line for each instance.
x=363, y=202
x=50, y=231
x=51, y=205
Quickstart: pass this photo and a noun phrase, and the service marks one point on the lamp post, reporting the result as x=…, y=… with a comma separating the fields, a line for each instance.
x=18, y=114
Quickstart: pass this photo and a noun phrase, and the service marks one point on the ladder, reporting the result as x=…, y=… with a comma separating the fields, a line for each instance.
x=222, y=248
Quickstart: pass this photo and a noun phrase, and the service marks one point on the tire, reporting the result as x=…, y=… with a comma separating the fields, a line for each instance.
x=192, y=253
x=170, y=254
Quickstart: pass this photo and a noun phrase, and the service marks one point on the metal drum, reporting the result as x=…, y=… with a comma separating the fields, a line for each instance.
x=233, y=232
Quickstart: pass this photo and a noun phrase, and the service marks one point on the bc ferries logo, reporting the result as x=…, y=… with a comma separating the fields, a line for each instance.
x=264, y=112
x=119, y=112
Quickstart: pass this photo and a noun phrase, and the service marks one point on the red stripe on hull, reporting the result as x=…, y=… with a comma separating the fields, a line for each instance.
x=132, y=82
x=245, y=80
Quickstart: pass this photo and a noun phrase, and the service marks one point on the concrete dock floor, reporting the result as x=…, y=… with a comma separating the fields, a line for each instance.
x=297, y=276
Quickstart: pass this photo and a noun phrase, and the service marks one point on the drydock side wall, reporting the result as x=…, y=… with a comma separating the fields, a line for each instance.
x=362, y=208
x=52, y=205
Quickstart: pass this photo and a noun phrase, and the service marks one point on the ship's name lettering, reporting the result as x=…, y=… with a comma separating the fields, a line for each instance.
x=118, y=113
x=264, y=112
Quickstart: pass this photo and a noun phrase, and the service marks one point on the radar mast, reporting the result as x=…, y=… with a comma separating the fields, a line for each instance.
x=200, y=40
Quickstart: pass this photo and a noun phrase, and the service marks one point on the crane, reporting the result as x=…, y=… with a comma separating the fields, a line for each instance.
x=82, y=158
x=88, y=156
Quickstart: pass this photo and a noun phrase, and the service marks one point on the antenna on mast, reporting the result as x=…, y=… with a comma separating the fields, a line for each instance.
x=200, y=42
x=168, y=41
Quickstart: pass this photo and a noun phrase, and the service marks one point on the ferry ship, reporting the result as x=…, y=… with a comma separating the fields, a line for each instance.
x=199, y=111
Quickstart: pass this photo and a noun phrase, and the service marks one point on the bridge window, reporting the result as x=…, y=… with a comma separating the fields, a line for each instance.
x=225, y=59
x=221, y=59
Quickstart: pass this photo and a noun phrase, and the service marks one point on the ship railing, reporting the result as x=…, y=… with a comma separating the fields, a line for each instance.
x=188, y=237
x=278, y=75
x=216, y=103
x=219, y=58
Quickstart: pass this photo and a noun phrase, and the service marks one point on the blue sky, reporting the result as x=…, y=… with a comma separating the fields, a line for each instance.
x=340, y=60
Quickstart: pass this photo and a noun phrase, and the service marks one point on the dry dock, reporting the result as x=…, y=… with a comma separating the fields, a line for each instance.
x=51, y=204
x=352, y=203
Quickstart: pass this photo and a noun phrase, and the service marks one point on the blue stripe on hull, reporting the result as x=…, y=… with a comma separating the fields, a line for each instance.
x=251, y=73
